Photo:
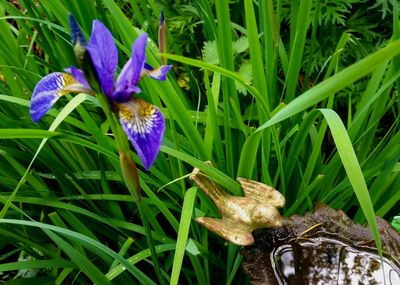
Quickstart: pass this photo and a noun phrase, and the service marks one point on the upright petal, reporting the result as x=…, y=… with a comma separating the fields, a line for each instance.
x=104, y=55
x=130, y=74
x=49, y=89
x=138, y=57
x=126, y=87
x=144, y=126
x=159, y=73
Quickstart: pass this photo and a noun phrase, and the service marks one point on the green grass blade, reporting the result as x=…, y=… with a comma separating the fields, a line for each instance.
x=219, y=177
x=233, y=75
x=26, y=134
x=335, y=83
x=396, y=36
x=225, y=54
x=255, y=53
x=299, y=31
x=76, y=101
x=37, y=264
x=90, y=243
x=117, y=270
x=270, y=33
x=353, y=170
x=315, y=95
x=183, y=233
x=79, y=259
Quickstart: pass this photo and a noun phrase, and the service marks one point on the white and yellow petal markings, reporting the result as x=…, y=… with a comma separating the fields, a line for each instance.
x=144, y=126
x=49, y=89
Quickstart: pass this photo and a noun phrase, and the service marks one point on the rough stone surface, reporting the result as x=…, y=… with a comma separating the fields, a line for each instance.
x=323, y=222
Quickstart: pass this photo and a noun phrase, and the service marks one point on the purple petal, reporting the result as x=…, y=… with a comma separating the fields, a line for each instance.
x=158, y=73
x=130, y=74
x=144, y=126
x=78, y=75
x=138, y=57
x=126, y=87
x=49, y=89
x=104, y=55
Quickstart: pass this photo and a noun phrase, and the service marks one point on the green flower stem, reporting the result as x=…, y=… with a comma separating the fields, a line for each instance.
x=130, y=175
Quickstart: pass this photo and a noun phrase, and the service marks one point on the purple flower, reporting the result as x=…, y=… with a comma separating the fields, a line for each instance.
x=142, y=122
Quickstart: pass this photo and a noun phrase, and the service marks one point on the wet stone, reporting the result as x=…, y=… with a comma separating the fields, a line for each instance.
x=325, y=247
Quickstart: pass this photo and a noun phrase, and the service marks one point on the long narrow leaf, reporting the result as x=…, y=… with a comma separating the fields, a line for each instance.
x=183, y=233
x=353, y=170
x=315, y=95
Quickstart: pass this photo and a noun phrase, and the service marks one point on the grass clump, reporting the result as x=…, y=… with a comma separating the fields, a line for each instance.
x=301, y=95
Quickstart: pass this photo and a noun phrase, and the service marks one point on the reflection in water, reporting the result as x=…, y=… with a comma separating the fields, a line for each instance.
x=328, y=261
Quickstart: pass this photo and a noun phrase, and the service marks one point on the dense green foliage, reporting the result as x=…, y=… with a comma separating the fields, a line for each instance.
x=301, y=95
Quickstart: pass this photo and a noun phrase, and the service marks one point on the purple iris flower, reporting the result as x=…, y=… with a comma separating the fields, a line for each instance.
x=142, y=122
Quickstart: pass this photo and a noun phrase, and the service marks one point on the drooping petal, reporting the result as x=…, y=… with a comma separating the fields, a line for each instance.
x=78, y=75
x=104, y=55
x=78, y=40
x=49, y=89
x=144, y=126
x=159, y=73
x=130, y=74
